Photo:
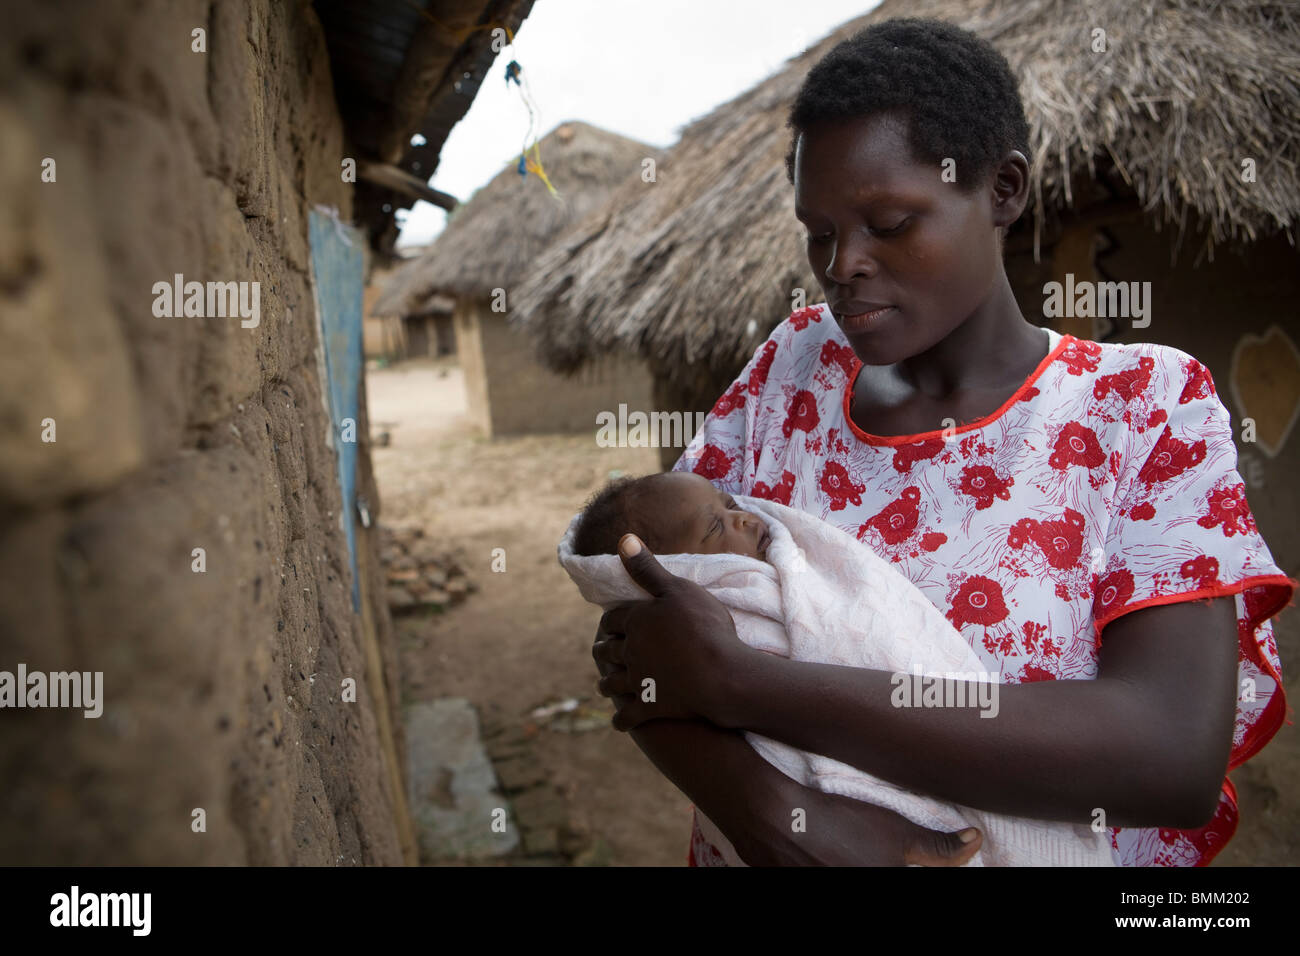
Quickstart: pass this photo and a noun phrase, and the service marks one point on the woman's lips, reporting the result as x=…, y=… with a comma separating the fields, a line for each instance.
x=867, y=321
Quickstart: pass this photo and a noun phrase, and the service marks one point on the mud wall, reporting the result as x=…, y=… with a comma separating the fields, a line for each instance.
x=511, y=393
x=221, y=686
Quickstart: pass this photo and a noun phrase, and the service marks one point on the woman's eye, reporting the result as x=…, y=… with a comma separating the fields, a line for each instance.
x=891, y=231
x=826, y=238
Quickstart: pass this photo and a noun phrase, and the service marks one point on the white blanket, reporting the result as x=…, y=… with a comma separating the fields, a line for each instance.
x=824, y=597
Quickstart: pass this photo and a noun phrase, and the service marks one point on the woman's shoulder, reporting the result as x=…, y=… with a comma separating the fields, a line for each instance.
x=1142, y=363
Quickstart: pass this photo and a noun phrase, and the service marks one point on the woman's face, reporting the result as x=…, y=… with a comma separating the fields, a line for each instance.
x=886, y=231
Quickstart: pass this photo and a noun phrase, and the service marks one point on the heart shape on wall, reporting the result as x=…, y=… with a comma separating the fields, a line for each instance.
x=1265, y=381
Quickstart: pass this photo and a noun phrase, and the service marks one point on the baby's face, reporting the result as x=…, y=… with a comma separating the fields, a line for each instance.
x=693, y=517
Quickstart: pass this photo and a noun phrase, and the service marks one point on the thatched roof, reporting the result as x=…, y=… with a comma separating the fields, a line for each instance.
x=675, y=270
x=434, y=305
x=496, y=236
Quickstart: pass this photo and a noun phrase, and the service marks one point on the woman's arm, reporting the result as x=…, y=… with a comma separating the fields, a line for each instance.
x=755, y=806
x=1147, y=741
x=753, y=803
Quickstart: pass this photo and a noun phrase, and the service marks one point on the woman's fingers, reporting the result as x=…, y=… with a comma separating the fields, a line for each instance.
x=935, y=848
x=614, y=684
x=614, y=621
x=630, y=713
x=610, y=652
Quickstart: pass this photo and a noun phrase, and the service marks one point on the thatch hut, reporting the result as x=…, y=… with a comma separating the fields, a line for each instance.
x=1140, y=173
x=479, y=260
x=395, y=329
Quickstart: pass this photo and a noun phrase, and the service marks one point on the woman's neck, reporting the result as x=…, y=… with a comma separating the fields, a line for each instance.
x=994, y=348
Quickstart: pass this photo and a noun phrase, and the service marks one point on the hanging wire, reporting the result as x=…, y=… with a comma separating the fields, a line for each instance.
x=514, y=73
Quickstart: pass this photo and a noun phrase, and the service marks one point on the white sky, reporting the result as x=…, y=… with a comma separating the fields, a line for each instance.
x=640, y=69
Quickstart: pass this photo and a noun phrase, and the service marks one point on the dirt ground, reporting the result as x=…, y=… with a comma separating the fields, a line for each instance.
x=524, y=638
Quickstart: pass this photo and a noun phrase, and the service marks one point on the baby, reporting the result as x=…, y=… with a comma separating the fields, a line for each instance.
x=814, y=593
x=675, y=512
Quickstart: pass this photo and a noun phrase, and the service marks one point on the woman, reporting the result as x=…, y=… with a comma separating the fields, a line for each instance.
x=1073, y=508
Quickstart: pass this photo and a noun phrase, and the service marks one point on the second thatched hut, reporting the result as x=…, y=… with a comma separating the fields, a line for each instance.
x=478, y=263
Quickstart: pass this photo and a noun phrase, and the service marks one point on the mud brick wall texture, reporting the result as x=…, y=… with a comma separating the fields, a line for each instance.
x=221, y=689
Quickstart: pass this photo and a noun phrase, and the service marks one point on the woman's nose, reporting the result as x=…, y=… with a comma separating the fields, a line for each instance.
x=851, y=260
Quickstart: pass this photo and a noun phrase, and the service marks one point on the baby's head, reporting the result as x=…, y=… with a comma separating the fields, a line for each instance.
x=676, y=512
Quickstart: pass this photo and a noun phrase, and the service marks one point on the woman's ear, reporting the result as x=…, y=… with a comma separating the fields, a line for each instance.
x=1010, y=189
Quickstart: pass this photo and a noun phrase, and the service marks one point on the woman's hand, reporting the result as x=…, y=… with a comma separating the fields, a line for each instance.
x=668, y=657
x=839, y=831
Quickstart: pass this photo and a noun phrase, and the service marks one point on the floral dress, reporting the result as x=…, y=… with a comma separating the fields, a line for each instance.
x=1105, y=484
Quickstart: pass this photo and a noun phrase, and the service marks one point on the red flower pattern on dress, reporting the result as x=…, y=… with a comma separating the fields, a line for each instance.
x=758, y=378
x=1080, y=356
x=835, y=354
x=1170, y=458
x=802, y=414
x=801, y=318
x=978, y=601
x=1200, y=384
x=983, y=484
x=1143, y=512
x=713, y=464
x=732, y=399
x=1128, y=384
x=841, y=488
x=1060, y=541
x=898, y=519
x=1032, y=673
x=1228, y=508
x=780, y=492
x=1076, y=445
x=1111, y=592
x=905, y=456
x=1203, y=569
x=1130, y=520
x=932, y=540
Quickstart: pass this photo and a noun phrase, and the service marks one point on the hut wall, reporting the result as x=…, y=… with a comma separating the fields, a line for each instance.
x=469, y=349
x=381, y=335
x=221, y=687
x=517, y=395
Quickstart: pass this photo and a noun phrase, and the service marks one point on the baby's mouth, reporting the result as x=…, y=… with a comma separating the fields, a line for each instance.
x=764, y=542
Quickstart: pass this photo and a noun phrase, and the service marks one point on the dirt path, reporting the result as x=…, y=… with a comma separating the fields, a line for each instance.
x=523, y=639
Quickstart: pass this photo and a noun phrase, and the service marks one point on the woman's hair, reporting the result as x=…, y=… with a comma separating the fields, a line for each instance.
x=607, y=516
x=955, y=92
